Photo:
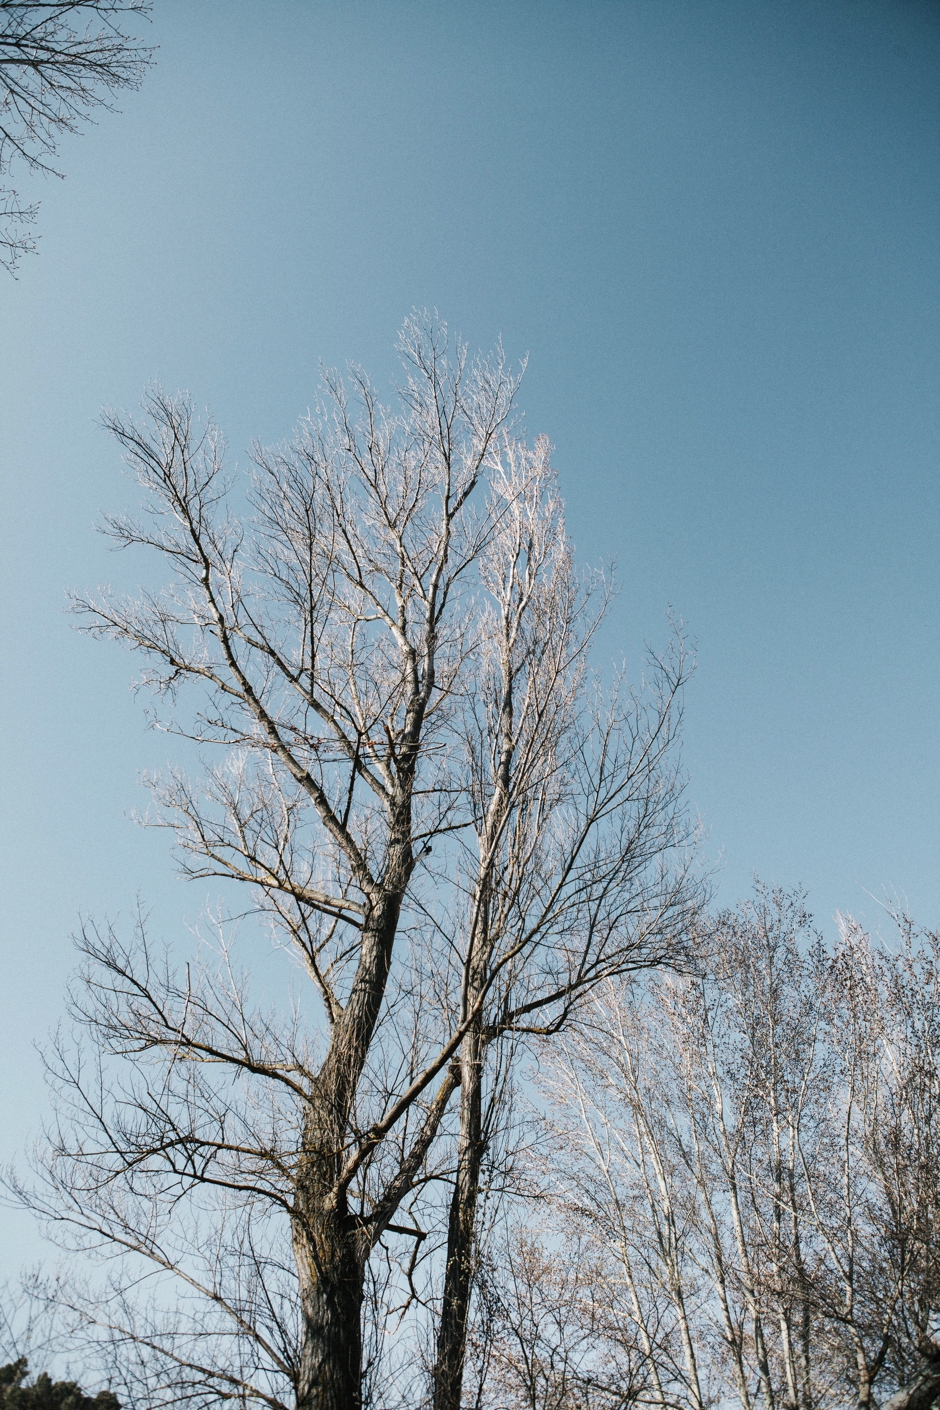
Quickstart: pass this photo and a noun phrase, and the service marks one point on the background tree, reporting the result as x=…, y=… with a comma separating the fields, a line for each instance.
x=542, y=1338
x=752, y=1156
x=59, y=60
x=46, y=1394
x=345, y=629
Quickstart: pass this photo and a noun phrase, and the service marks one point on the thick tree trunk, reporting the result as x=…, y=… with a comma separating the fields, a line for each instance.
x=458, y=1275
x=921, y=1393
x=331, y=1274
x=330, y=1250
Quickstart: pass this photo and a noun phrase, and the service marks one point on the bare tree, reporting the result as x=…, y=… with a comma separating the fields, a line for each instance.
x=754, y=1150
x=59, y=60
x=575, y=823
x=453, y=857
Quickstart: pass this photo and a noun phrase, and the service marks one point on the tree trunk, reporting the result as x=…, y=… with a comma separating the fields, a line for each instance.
x=330, y=1248
x=458, y=1275
x=331, y=1274
x=921, y=1393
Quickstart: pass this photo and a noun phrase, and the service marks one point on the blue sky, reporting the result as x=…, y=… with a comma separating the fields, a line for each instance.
x=713, y=225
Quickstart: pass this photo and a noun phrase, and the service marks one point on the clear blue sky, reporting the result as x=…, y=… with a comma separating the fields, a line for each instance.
x=713, y=226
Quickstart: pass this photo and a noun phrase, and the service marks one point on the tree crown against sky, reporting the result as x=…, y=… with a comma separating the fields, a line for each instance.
x=732, y=351
x=453, y=827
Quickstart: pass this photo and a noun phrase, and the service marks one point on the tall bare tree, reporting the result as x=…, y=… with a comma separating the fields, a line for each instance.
x=59, y=61
x=454, y=831
x=574, y=820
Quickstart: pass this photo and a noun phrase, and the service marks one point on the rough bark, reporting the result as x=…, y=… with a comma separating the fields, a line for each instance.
x=920, y=1393
x=458, y=1275
x=330, y=1275
x=330, y=1245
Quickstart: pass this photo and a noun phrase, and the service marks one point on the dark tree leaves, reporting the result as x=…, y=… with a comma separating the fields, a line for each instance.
x=46, y=1394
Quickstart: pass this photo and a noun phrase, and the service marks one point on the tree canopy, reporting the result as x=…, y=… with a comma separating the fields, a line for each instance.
x=46, y=1394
